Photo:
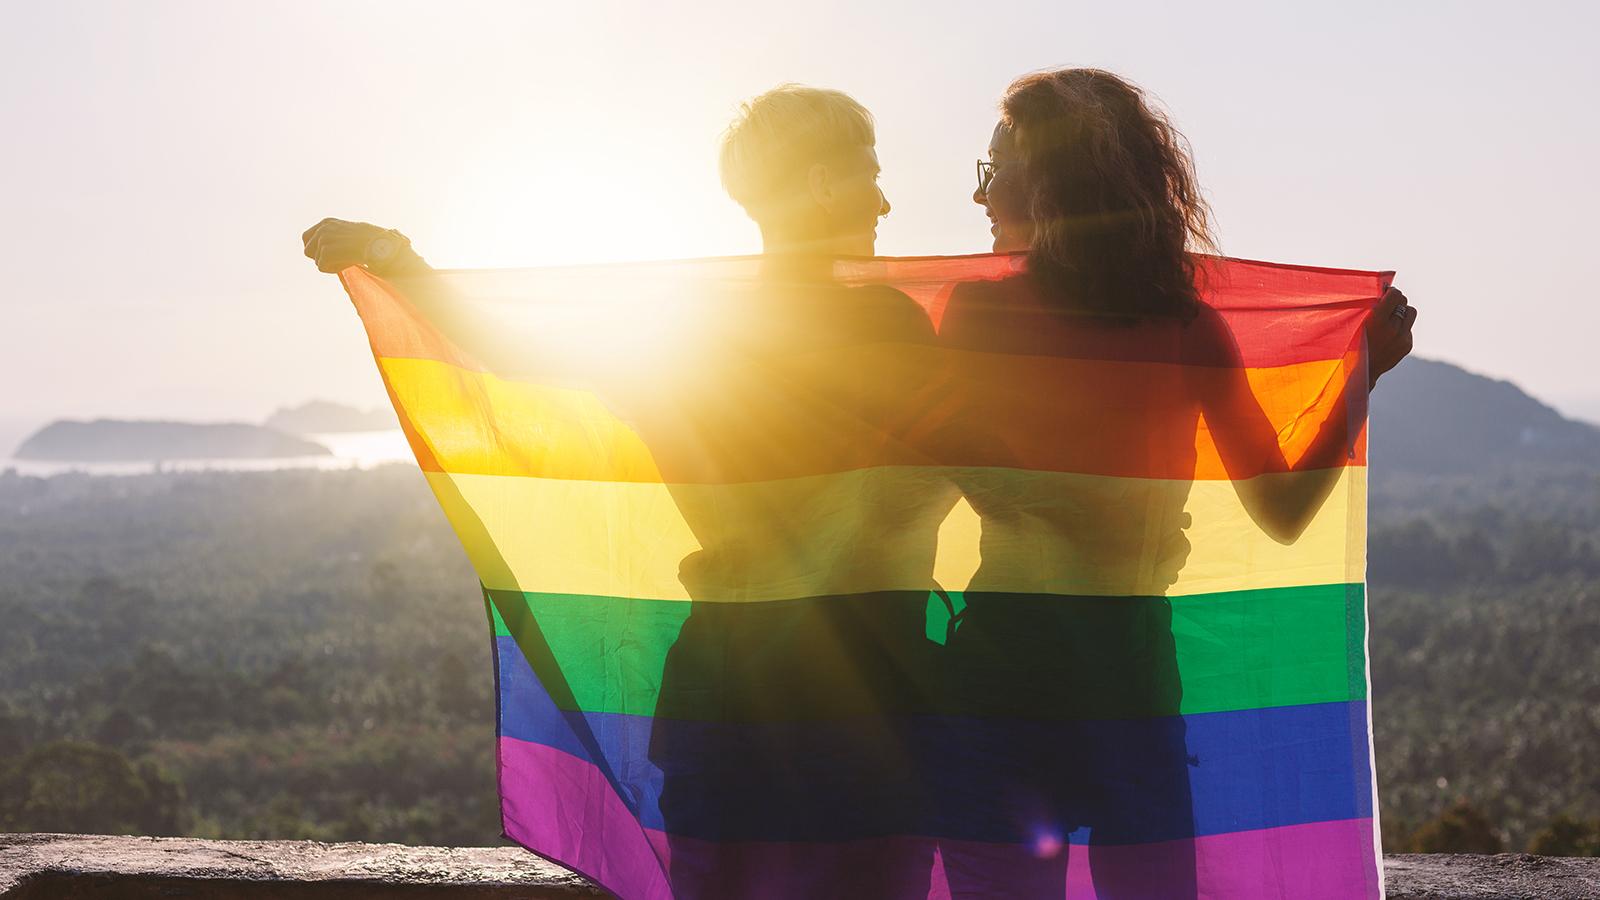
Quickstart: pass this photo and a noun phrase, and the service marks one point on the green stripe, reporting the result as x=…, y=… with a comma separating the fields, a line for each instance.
x=495, y=622
x=1279, y=647
x=1233, y=650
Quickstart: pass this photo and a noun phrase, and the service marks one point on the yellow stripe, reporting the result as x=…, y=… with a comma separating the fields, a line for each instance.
x=474, y=422
x=873, y=529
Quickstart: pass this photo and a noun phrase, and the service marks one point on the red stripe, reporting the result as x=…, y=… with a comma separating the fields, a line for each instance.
x=1278, y=315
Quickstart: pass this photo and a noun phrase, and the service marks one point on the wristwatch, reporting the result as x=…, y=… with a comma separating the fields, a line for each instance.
x=384, y=250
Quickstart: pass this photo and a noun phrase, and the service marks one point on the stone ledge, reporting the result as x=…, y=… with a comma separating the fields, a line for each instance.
x=88, y=867
x=1504, y=876
x=73, y=866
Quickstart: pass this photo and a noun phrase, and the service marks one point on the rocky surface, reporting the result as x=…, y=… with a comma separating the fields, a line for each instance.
x=79, y=867
x=1504, y=876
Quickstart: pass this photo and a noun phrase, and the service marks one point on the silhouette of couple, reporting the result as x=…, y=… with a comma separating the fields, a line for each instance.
x=814, y=436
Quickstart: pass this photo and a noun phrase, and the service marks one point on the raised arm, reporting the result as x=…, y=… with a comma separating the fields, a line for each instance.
x=1282, y=505
x=335, y=245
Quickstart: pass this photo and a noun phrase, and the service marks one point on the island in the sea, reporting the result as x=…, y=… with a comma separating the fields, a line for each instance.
x=322, y=417
x=117, y=440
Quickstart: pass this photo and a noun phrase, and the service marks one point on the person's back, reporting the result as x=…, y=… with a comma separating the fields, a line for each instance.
x=1080, y=474
x=770, y=436
x=787, y=699
x=784, y=699
x=1106, y=399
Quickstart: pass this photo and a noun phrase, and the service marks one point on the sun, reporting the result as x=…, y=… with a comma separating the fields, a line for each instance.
x=514, y=206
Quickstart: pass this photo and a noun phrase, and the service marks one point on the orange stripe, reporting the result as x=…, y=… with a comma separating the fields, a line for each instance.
x=1088, y=416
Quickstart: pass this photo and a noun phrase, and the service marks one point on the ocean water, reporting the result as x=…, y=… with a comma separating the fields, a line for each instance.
x=350, y=449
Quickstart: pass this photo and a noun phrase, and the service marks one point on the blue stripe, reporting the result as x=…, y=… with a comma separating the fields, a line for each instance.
x=1000, y=780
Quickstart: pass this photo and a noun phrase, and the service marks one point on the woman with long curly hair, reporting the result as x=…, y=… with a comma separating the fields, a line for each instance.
x=1067, y=626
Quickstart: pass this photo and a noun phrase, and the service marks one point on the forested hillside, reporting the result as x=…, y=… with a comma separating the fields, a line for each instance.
x=290, y=654
x=305, y=654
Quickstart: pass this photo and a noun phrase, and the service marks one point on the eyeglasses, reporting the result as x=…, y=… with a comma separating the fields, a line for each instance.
x=985, y=175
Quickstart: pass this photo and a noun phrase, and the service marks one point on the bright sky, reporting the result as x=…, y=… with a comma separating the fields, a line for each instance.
x=161, y=159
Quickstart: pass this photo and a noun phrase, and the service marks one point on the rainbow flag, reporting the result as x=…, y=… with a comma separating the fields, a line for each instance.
x=896, y=582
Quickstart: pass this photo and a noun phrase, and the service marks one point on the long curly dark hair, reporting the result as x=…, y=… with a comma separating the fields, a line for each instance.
x=1115, y=204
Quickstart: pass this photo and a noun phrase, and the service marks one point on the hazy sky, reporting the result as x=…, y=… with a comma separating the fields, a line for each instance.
x=160, y=160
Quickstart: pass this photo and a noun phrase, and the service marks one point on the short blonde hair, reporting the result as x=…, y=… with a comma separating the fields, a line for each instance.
x=779, y=134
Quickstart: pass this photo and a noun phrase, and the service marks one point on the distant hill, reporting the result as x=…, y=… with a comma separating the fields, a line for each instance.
x=113, y=440
x=1433, y=418
x=322, y=417
x=1428, y=418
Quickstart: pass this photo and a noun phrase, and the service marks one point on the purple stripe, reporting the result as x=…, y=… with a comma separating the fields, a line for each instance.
x=563, y=808
x=1335, y=860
